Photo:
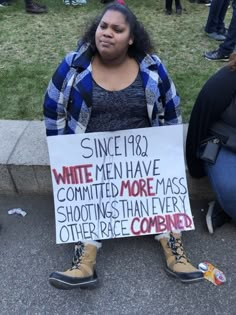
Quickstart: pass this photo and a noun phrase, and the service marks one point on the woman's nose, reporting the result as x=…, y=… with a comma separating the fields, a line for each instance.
x=107, y=33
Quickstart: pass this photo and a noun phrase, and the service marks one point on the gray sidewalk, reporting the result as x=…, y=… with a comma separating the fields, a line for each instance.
x=132, y=279
x=24, y=161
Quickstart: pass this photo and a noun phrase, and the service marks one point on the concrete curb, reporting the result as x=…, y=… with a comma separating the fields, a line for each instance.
x=24, y=161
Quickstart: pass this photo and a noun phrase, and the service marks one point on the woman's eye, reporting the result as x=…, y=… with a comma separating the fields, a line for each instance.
x=118, y=30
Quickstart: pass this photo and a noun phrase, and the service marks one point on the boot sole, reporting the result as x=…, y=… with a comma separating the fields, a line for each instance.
x=64, y=285
x=209, y=217
x=176, y=275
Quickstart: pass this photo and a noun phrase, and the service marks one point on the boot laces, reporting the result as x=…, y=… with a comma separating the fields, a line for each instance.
x=176, y=246
x=78, y=254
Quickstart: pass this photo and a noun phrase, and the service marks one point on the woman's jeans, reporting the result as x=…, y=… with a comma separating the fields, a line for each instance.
x=228, y=46
x=216, y=16
x=222, y=176
x=169, y=4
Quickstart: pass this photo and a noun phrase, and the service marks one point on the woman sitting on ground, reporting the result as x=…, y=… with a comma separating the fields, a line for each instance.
x=115, y=84
x=216, y=103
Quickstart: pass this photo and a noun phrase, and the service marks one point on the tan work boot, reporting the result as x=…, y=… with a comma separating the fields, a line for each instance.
x=82, y=274
x=177, y=263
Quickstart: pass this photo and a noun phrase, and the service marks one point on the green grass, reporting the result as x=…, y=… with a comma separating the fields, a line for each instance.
x=31, y=46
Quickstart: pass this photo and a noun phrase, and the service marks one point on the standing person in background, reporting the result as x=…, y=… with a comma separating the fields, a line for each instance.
x=227, y=47
x=215, y=27
x=178, y=7
x=113, y=82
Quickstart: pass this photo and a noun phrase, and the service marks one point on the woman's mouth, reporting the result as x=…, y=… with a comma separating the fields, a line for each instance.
x=106, y=43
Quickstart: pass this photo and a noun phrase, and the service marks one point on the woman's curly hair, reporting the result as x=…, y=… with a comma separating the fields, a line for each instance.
x=142, y=43
x=232, y=61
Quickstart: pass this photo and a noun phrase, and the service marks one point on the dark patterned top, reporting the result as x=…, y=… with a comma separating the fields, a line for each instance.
x=118, y=110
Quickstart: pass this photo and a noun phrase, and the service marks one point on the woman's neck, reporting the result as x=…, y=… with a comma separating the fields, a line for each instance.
x=111, y=62
x=114, y=76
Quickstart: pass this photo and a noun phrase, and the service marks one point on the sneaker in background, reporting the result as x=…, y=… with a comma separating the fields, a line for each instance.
x=208, y=4
x=36, y=8
x=216, y=36
x=40, y=5
x=223, y=31
x=216, y=216
x=216, y=55
x=179, y=11
x=168, y=12
x=4, y=4
x=66, y=2
x=78, y=2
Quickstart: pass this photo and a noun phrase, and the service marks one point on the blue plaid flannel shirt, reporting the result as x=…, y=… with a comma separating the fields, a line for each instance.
x=68, y=99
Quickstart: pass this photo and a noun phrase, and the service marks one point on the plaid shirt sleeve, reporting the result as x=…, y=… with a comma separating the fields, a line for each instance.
x=169, y=97
x=56, y=98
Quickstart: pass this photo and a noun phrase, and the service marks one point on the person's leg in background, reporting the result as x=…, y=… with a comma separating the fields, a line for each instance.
x=221, y=29
x=215, y=22
x=178, y=7
x=34, y=7
x=168, y=7
x=228, y=46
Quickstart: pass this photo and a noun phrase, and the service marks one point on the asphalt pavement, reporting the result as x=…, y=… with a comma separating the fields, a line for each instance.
x=130, y=270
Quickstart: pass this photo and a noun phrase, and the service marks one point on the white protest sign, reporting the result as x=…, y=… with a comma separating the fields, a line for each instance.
x=119, y=184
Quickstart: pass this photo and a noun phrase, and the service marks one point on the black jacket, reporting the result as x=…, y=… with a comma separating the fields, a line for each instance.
x=212, y=100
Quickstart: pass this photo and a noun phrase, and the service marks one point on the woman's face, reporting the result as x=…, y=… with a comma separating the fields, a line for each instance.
x=113, y=35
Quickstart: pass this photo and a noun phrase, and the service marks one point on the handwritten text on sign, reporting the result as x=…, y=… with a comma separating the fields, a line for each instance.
x=119, y=184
